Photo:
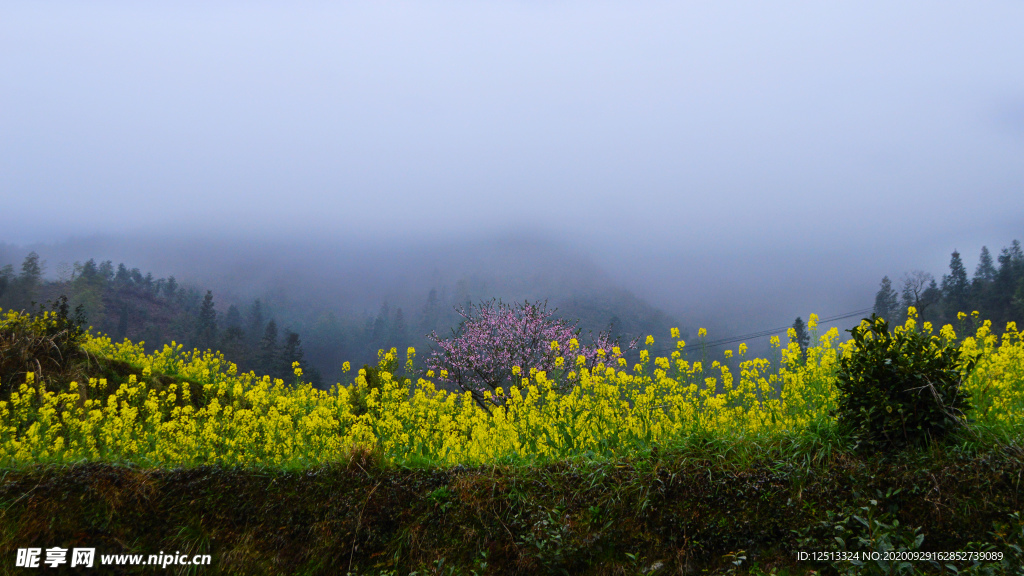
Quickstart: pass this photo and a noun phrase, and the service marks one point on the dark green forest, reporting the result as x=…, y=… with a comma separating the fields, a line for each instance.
x=267, y=335
x=125, y=303
x=996, y=291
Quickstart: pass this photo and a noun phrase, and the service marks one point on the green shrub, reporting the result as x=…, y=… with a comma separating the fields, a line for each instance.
x=373, y=380
x=46, y=343
x=900, y=388
x=867, y=534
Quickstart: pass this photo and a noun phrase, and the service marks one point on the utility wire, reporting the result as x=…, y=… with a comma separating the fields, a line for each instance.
x=763, y=333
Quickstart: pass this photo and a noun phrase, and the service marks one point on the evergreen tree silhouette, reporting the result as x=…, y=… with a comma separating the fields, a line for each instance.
x=206, y=325
x=291, y=352
x=887, y=301
x=399, y=332
x=803, y=339
x=268, y=354
x=955, y=288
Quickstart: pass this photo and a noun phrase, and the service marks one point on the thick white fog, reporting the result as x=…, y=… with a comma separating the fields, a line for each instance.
x=741, y=159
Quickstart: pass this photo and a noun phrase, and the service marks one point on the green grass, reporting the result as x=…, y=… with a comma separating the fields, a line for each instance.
x=681, y=508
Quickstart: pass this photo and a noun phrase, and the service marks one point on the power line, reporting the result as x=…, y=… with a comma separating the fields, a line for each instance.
x=763, y=333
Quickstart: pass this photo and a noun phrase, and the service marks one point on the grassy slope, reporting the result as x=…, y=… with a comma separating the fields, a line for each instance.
x=679, y=511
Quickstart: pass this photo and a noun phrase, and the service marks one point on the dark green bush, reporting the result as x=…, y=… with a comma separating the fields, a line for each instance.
x=374, y=379
x=901, y=388
x=46, y=343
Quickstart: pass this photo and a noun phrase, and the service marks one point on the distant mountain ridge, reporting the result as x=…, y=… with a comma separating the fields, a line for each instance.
x=346, y=302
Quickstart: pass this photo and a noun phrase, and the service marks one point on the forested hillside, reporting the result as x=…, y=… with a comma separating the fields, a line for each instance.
x=267, y=333
x=995, y=291
x=125, y=303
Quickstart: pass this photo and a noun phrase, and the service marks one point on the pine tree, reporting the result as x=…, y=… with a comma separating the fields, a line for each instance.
x=887, y=303
x=268, y=354
x=381, y=325
x=6, y=281
x=399, y=332
x=27, y=284
x=291, y=352
x=931, y=297
x=31, y=269
x=1008, y=276
x=981, y=284
x=986, y=270
x=206, y=326
x=955, y=288
x=233, y=345
x=87, y=291
x=257, y=327
x=803, y=339
x=233, y=319
x=122, y=277
x=90, y=272
x=106, y=271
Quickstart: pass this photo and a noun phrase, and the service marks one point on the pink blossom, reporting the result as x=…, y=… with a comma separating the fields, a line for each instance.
x=495, y=337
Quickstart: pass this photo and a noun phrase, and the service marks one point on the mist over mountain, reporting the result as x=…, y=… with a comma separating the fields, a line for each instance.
x=346, y=275
x=729, y=290
x=347, y=300
x=732, y=165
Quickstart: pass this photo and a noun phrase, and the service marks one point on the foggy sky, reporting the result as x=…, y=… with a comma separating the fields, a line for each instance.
x=788, y=148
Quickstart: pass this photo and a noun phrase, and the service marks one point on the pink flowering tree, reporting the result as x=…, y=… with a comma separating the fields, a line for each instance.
x=494, y=339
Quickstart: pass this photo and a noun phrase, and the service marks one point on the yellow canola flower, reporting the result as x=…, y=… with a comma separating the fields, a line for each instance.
x=211, y=414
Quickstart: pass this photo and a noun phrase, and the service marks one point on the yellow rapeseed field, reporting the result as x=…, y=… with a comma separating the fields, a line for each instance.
x=215, y=415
